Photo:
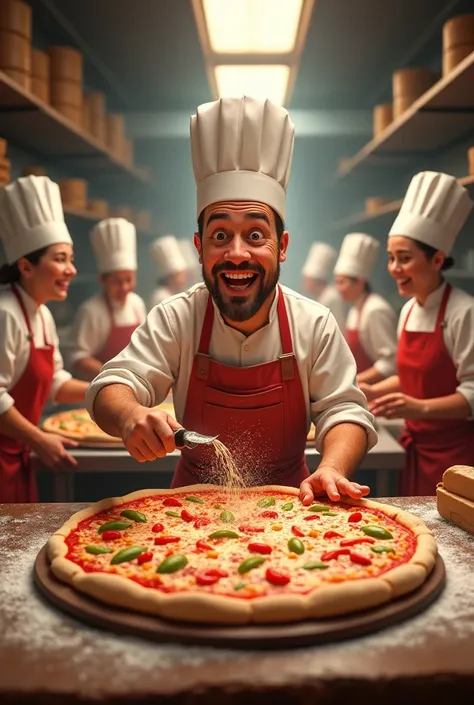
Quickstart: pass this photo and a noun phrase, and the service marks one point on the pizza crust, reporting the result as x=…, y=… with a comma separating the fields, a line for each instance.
x=324, y=601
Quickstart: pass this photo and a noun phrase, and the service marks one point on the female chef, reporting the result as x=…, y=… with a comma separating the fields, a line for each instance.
x=371, y=326
x=434, y=388
x=40, y=266
x=246, y=358
x=317, y=272
x=172, y=268
x=105, y=322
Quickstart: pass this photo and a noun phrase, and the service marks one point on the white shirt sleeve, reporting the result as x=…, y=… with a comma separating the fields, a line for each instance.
x=335, y=396
x=148, y=365
x=459, y=339
x=379, y=338
x=12, y=340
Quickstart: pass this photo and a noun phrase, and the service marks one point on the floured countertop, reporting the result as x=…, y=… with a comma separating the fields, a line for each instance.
x=44, y=653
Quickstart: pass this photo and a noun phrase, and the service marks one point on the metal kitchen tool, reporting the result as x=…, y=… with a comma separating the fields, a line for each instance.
x=191, y=439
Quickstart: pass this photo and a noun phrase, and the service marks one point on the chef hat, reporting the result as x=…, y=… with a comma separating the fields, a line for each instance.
x=241, y=151
x=168, y=256
x=320, y=261
x=357, y=256
x=190, y=256
x=433, y=211
x=114, y=241
x=31, y=217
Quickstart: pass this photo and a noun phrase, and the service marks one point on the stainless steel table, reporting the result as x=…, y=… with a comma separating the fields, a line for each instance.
x=386, y=457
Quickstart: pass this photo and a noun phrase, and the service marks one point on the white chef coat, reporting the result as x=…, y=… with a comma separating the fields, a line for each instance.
x=160, y=294
x=15, y=346
x=458, y=334
x=377, y=331
x=161, y=353
x=331, y=298
x=92, y=324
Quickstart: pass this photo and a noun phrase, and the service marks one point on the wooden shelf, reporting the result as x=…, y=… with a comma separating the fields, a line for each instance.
x=359, y=220
x=30, y=124
x=442, y=115
x=86, y=217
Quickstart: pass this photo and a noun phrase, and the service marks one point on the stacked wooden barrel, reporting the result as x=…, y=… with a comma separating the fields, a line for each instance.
x=458, y=41
x=408, y=85
x=15, y=41
x=382, y=117
x=40, y=75
x=67, y=81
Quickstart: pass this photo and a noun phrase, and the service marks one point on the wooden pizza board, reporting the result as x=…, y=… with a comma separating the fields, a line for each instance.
x=274, y=636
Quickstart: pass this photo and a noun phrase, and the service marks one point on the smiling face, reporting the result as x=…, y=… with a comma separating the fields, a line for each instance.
x=414, y=272
x=49, y=279
x=118, y=285
x=240, y=253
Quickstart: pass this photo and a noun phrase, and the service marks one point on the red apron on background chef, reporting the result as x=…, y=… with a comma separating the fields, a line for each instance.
x=317, y=272
x=434, y=390
x=371, y=325
x=172, y=268
x=247, y=359
x=38, y=249
x=105, y=323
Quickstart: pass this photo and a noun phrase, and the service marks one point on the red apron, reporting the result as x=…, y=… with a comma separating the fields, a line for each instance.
x=118, y=338
x=426, y=371
x=30, y=393
x=363, y=361
x=259, y=413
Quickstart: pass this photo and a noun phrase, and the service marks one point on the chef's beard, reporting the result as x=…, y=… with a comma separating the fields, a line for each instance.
x=240, y=308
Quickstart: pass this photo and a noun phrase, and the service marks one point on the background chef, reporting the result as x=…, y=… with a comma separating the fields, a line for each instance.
x=190, y=256
x=434, y=388
x=246, y=360
x=317, y=272
x=40, y=266
x=172, y=268
x=371, y=325
x=105, y=322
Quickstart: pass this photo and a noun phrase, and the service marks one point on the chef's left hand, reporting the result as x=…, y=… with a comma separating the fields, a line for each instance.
x=327, y=480
x=397, y=406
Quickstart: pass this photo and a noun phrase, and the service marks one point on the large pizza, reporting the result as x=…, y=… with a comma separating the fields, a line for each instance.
x=206, y=554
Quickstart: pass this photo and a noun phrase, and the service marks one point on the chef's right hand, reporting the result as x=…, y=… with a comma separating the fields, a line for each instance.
x=51, y=450
x=368, y=390
x=149, y=433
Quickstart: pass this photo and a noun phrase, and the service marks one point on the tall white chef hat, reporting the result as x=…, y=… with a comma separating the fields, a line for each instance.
x=242, y=150
x=31, y=217
x=190, y=256
x=357, y=256
x=114, y=241
x=433, y=211
x=168, y=256
x=320, y=261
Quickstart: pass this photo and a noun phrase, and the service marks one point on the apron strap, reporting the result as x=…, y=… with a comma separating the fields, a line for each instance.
x=27, y=319
x=443, y=307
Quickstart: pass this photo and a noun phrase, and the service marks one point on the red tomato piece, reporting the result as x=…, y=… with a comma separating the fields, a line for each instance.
x=156, y=528
x=110, y=535
x=296, y=532
x=332, y=535
x=203, y=546
x=163, y=540
x=356, y=516
x=202, y=521
x=171, y=502
x=144, y=557
x=269, y=515
x=312, y=517
x=187, y=516
x=217, y=572
x=251, y=529
x=275, y=577
x=260, y=548
x=332, y=555
x=361, y=560
x=204, y=579
x=354, y=542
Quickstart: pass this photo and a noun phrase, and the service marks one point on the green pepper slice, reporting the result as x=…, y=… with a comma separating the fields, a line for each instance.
x=376, y=532
x=127, y=554
x=315, y=565
x=172, y=514
x=115, y=525
x=133, y=515
x=266, y=502
x=287, y=507
x=196, y=500
x=172, y=564
x=382, y=549
x=250, y=563
x=224, y=534
x=227, y=517
x=296, y=546
x=97, y=550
